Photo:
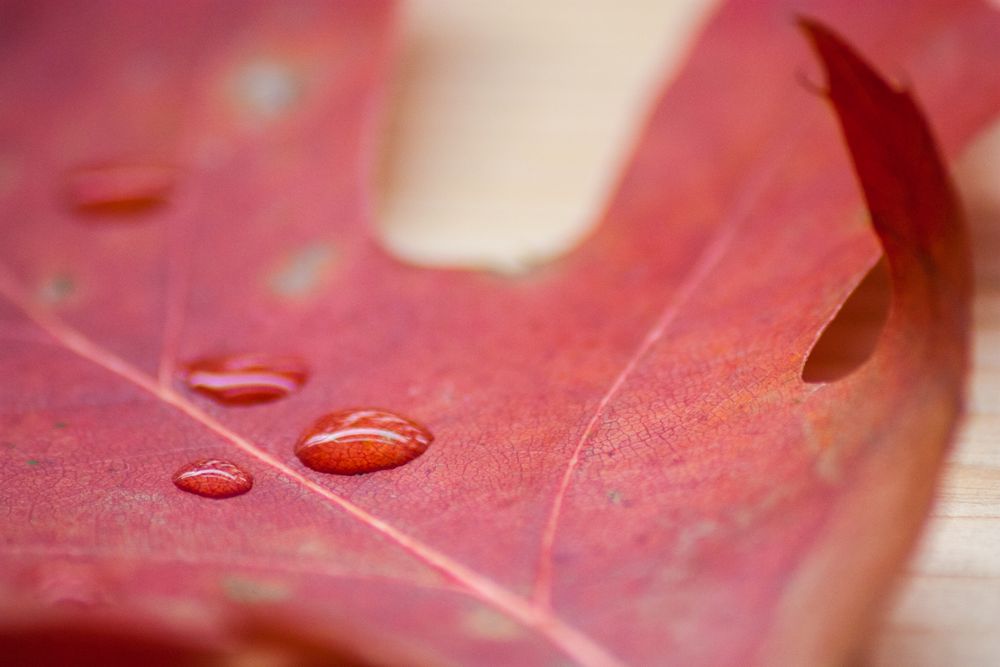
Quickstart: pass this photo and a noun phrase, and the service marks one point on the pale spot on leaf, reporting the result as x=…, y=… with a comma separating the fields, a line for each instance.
x=8, y=175
x=69, y=584
x=266, y=89
x=488, y=624
x=828, y=467
x=57, y=289
x=243, y=589
x=301, y=273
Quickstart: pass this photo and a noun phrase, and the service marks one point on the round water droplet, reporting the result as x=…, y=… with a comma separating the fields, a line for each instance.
x=351, y=442
x=246, y=379
x=119, y=189
x=213, y=478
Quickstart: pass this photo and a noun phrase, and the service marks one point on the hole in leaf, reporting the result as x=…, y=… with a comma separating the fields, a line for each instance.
x=849, y=339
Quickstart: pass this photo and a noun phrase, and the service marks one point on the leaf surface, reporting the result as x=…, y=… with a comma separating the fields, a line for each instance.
x=627, y=466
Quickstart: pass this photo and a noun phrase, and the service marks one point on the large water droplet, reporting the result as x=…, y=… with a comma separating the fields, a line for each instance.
x=119, y=189
x=351, y=442
x=245, y=379
x=213, y=478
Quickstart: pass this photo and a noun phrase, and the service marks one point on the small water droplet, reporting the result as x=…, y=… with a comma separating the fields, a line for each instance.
x=119, y=189
x=213, y=478
x=351, y=442
x=246, y=379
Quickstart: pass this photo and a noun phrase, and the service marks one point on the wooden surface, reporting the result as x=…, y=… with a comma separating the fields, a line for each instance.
x=947, y=611
x=533, y=162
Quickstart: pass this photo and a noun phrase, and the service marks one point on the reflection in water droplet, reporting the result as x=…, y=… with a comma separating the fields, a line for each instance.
x=351, y=442
x=213, y=478
x=246, y=379
x=119, y=189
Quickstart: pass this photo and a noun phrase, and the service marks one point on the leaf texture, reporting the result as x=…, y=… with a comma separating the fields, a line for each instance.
x=627, y=466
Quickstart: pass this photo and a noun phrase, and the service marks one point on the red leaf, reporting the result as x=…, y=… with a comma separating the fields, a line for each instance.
x=627, y=466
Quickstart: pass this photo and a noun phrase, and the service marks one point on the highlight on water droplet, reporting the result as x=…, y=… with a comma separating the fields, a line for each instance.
x=213, y=478
x=119, y=189
x=352, y=442
x=246, y=379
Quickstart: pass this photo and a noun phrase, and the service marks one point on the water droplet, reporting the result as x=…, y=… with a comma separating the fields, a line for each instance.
x=351, y=442
x=119, y=189
x=246, y=379
x=213, y=478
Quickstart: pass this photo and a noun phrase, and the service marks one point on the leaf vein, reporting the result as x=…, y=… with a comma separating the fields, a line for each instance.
x=567, y=638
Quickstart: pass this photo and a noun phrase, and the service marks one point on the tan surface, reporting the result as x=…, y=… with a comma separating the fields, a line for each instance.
x=948, y=609
x=514, y=119
x=532, y=162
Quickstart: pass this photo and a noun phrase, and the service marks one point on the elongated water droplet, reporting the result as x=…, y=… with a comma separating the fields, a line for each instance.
x=119, y=189
x=351, y=442
x=213, y=478
x=245, y=379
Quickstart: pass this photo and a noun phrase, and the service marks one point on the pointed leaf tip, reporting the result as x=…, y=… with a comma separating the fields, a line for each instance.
x=907, y=187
